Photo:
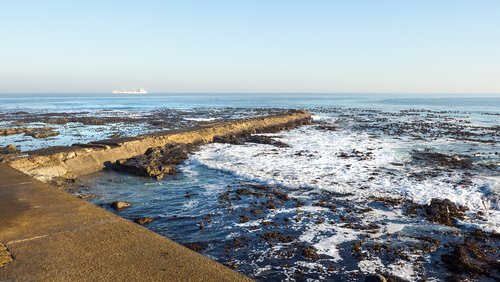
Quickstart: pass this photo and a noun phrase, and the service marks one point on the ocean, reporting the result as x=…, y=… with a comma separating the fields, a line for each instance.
x=351, y=194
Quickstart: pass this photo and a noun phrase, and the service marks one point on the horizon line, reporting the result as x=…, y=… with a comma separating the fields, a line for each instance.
x=261, y=92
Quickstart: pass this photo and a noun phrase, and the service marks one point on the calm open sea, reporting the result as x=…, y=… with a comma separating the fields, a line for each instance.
x=79, y=102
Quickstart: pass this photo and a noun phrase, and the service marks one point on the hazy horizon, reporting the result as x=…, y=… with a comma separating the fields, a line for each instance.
x=379, y=47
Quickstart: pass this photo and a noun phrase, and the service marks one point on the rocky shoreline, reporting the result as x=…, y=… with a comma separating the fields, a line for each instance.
x=81, y=159
x=270, y=222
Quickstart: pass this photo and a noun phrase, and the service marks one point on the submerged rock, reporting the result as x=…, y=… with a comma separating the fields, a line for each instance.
x=197, y=246
x=119, y=205
x=157, y=162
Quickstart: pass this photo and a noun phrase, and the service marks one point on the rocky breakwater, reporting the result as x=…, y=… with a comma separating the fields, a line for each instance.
x=80, y=159
x=158, y=162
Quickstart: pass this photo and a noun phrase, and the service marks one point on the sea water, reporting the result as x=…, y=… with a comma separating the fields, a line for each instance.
x=362, y=147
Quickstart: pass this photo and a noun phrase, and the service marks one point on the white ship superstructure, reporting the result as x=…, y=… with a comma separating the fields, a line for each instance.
x=134, y=91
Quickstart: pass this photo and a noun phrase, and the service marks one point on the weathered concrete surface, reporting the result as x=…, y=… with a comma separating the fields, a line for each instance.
x=82, y=159
x=54, y=236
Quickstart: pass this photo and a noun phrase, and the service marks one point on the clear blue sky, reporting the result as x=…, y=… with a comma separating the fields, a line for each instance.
x=396, y=46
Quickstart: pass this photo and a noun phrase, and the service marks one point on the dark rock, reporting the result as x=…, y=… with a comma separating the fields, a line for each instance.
x=469, y=258
x=271, y=235
x=256, y=211
x=243, y=192
x=119, y=205
x=229, y=139
x=157, y=162
x=196, y=246
x=244, y=219
x=310, y=252
x=375, y=278
x=143, y=220
x=280, y=195
x=224, y=196
x=443, y=211
x=324, y=204
x=262, y=139
x=444, y=160
x=9, y=149
x=326, y=127
x=248, y=138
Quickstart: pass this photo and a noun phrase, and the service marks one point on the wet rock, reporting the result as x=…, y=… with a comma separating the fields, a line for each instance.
x=469, y=258
x=310, y=252
x=229, y=139
x=62, y=182
x=280, y=195
x=233, y=264
x=262, y=139
x=188, y=194
x=119, y=205
x=357, y=247
x=277, y=236
x=243, y=191
x=256, y=211
x=360, y=226
x=244, y=219
x=43, y=134
x=326, y=127
x=388, y=202
x=443, y=211
x=199, y=246
x=224, y=196
x=249, y=138
x=9, y=149
x=375, y=278
x=143, y=220
x=271, y=235
x=324, y=204
x=37, y=132
x=86, y=196
x=156, y=162
x=444, y=160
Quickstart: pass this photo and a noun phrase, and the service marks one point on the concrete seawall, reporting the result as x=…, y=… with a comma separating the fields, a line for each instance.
x=78, y=160
x=50, y=235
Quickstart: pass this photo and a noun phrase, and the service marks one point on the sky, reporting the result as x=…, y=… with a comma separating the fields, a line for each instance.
x=331, y=46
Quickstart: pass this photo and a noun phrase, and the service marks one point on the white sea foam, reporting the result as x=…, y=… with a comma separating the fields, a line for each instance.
x=315, y=160
x=328, y=244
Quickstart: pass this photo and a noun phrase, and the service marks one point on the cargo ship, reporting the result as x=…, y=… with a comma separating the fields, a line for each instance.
x=134, y=91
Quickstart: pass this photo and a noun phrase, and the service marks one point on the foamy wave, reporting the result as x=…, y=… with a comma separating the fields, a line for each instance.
x=349, y=162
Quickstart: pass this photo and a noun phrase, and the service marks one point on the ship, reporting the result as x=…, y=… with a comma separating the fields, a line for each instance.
x=134, y=91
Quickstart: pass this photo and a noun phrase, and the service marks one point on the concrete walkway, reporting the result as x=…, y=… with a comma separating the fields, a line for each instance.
x=51, y=235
